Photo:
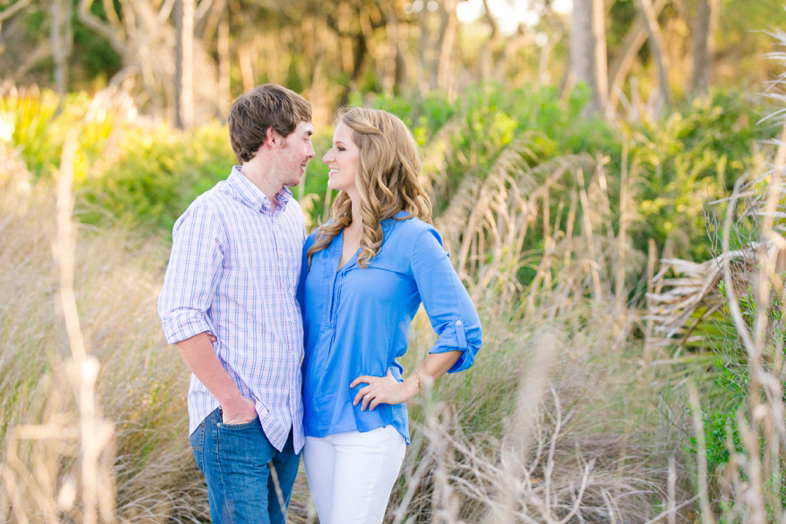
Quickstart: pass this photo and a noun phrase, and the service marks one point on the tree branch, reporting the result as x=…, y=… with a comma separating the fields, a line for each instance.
x=11, y=11
x=100, y=27
x=631, y=45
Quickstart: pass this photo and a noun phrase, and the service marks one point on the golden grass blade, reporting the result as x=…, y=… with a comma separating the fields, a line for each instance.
x=701, y=457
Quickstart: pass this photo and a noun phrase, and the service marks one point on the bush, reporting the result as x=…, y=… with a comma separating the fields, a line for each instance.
x=157, y=175
x=38, y=125
x=688, y=160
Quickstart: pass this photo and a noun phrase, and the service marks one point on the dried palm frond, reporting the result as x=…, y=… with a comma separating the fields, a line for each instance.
x=486, y=223
x=488, y=226
x=434, y=177
x=693, y=294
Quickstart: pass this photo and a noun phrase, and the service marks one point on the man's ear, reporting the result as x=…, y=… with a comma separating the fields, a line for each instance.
x=271, y=137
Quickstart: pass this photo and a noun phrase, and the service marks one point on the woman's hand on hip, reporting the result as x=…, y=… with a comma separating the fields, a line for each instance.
x=381, y=390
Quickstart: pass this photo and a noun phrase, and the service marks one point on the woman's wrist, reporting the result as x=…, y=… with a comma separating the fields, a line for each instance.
x=413, y=384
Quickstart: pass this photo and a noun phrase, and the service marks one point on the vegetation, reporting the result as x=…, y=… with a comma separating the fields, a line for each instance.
x=619, y=226
x=575, y=412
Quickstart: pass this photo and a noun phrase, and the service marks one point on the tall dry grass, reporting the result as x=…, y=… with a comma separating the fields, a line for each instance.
x=751, y=267
x=93, y=408
x=572, y=413
x=554, y=423
x=561, y=419
x=751, y=483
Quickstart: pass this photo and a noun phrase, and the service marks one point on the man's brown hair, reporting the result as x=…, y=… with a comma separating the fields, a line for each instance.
x=265, y=106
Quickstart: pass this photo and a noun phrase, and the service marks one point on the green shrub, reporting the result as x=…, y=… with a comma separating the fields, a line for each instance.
x=38, y=130
x=158, y=174
x=692, y=158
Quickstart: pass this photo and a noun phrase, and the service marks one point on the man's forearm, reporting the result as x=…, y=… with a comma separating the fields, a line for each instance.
x=201, y=359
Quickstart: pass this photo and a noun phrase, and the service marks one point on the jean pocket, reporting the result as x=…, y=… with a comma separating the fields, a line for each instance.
x=243, y=425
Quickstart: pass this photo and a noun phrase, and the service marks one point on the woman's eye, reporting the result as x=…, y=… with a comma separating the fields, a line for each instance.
x=340, y=148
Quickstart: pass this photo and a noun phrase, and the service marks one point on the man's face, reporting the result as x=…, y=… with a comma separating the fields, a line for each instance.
x=294, y=153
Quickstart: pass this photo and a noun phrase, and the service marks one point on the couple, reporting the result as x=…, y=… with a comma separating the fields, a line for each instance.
x=246, y=293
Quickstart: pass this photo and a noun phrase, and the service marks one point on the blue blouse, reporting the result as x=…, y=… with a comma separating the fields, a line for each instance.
x=357, y=322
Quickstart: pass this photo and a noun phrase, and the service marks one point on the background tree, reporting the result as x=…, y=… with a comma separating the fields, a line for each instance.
x=650, y=18
x=588, y=50
x=330, y=50
x=184, y=63
x=704, y=28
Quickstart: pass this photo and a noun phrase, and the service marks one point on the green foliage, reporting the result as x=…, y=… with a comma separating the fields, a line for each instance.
x=158, y=174
x=487, y=118
x=729, y=389
x=688, y=160
x=38, y=128
x=316, y=176
x=93, y=57
x=676, y=165
x=716, y=427
x=425, y=116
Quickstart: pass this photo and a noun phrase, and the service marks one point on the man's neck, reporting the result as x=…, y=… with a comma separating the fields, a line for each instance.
x=262, y=181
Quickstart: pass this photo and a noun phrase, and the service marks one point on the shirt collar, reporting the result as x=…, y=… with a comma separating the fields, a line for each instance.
x=390, y=222
x=252, y=196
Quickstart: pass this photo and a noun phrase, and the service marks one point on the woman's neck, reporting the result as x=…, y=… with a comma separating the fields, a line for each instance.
x=357, y=218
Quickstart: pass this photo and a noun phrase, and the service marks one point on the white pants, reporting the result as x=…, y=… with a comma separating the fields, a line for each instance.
x=351, y=474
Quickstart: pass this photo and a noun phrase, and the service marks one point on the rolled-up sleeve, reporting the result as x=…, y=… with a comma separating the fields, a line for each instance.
x=446, y=301
x=192, y=275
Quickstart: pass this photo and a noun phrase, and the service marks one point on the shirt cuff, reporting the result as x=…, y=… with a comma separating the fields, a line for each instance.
x=184, y=325
x=454, y=338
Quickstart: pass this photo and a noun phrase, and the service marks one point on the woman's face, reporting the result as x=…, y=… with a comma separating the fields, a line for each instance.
x=342, y=159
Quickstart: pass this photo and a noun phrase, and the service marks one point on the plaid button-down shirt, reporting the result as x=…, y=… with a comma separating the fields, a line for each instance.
x=233, y=272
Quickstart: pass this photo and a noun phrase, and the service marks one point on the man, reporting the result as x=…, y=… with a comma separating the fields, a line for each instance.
x=229, y=304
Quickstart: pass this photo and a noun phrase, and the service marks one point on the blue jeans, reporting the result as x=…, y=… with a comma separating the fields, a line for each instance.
x=236, y=461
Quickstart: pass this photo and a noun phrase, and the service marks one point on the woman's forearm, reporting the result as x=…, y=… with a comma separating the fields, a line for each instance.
x=435, y=365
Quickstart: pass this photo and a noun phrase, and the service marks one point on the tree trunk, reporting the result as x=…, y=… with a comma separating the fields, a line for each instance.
x=703, y=44
x=184, y=63
x=658, y=47
x=448, y=44
x=485, y=55
x=246, y=67
x=543, y=76
x=222, y=47
x=588, y=50
x=601, y=60
x=391, y=52
x=62, y=37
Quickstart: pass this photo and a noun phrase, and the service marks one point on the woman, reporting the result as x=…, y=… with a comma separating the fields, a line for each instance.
x=365, y=275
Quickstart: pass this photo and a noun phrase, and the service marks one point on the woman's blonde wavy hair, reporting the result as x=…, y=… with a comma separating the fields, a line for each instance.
x=386, y=179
